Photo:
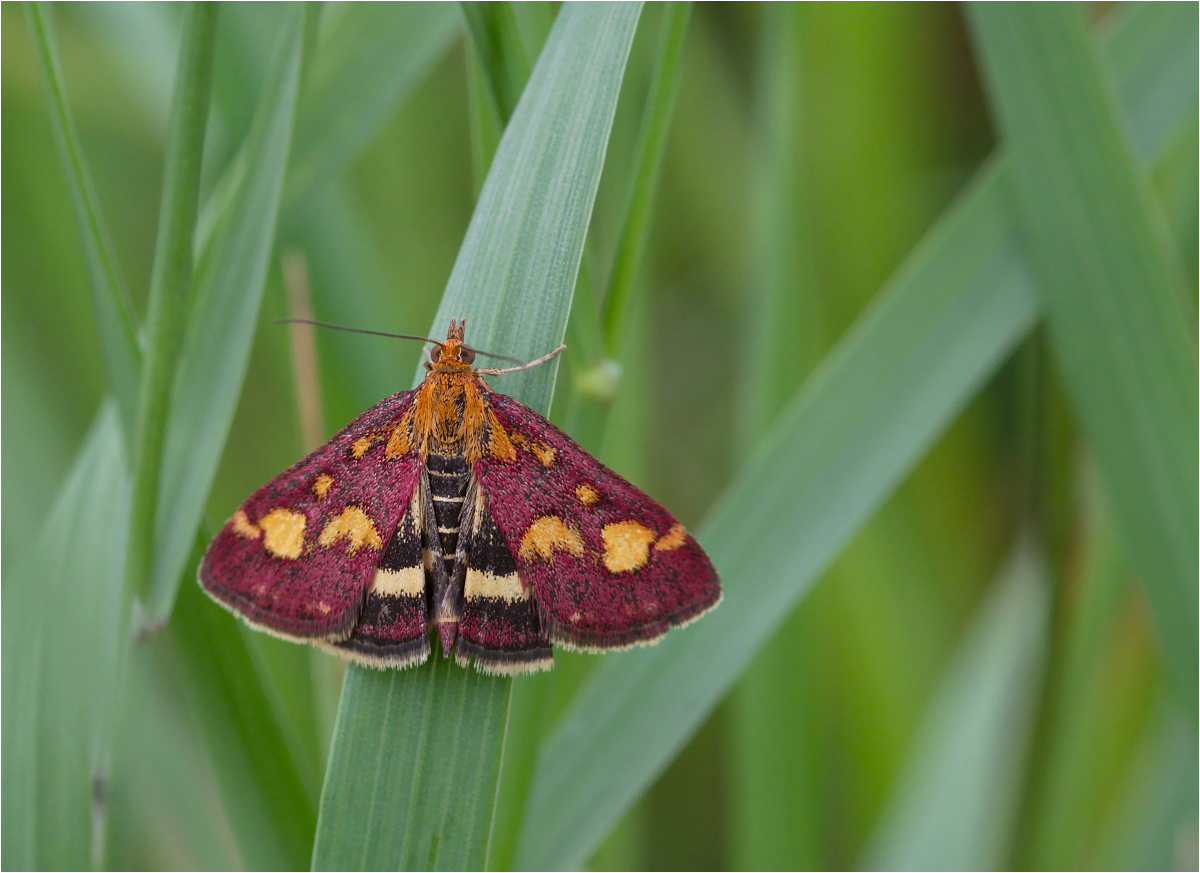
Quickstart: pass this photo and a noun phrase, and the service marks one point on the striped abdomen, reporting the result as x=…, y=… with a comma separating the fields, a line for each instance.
x=448, y=480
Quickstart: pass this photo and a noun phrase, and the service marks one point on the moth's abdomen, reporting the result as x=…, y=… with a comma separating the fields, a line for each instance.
x=448, y=479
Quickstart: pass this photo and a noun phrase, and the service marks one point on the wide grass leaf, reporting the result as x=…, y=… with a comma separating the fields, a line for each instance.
x=227, y=291
x=416, y=753
x=955, y=804
x=948, y=317
x=1112, y=290
x=61, y=619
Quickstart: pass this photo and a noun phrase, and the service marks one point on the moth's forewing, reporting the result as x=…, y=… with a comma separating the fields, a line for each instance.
x=300, y=554
x=608, y=566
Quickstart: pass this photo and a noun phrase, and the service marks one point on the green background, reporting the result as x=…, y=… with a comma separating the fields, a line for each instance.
x=911, y=315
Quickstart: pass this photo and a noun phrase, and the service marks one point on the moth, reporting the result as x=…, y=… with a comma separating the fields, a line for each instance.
x=456, y=507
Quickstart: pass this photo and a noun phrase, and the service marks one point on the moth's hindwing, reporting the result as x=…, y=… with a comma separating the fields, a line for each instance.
x=500, y=626
x=298, y=556
x=608, y=566
x=391, y=630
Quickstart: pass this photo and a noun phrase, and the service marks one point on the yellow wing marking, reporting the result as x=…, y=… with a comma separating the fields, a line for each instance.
x=283, y=532
x=243, y=527
x=409, y=582
x=354, y=525
x=547, y=535
x=626, y=545
x=672, y=539
x=507, y=588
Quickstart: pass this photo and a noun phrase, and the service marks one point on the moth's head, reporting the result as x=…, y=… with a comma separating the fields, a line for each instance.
x=453, y=355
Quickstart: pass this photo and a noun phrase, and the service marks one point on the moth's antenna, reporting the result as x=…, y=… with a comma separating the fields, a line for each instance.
x=355, y=329
x=492, y=354
x=393, y=336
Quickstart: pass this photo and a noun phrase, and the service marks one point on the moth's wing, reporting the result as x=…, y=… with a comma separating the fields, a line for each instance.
x=608, y=566
x=500, y=627
x=298, y=557
x=392, y=627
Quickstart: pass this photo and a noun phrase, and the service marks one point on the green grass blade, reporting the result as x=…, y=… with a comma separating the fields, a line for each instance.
x=505, y=38
x=413, y=770
x=227, y=290
x=652, y=143
x=955, y=805
x=789, y=325
x=61, y=618
x=170, y=280
x=416, y=753
x=954, y=310
x=597, y=333
x=540, y=245
x=115, y=323
x=496, y=38
x=486, y=125
x=374, y=54
x=1113, y=294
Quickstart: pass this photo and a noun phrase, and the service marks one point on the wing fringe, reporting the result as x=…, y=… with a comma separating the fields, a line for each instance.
x=572, y=640
x=492, y=662
x=407, y=654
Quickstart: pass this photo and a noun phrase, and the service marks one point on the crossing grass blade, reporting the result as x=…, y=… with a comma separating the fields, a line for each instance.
x=876, y=598
x=223, y=313
x=416, y=753
x=1112, y=290
x=938, y=329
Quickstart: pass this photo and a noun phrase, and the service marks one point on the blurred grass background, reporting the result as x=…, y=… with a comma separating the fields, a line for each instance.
x=983, y=636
